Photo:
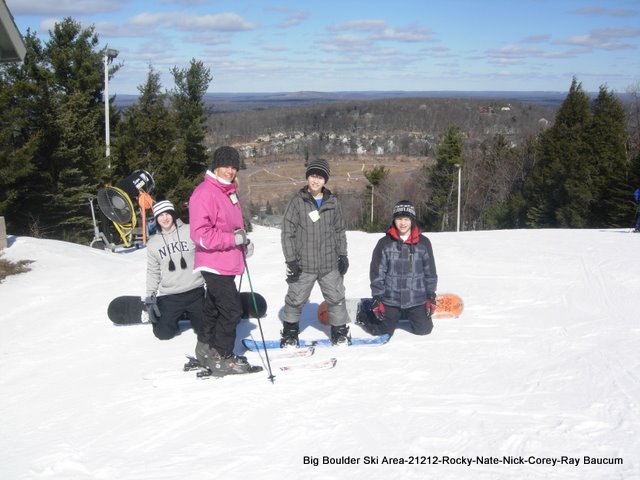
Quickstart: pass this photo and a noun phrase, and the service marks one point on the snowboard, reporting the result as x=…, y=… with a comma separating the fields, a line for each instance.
x=448, y=305
x=130, y=310
x=257, y=345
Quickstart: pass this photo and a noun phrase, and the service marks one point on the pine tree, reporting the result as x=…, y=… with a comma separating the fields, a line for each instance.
x=560, y=191
x=191, y=115
x=610, y=169
x=77, y=72
x=25, y=105
x=54, y=98
x=146, y=138
x=442, y=179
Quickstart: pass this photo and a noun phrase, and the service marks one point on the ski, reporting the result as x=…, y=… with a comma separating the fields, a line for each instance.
x=193, y=364
x=287, y=354
x=256, y=345
x=202, y=372
x=319, y=365
x=206, y=373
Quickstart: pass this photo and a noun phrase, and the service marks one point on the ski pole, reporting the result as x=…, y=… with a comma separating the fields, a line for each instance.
x=255, y=309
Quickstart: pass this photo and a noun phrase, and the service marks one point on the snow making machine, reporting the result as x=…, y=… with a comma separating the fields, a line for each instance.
x=125, y=205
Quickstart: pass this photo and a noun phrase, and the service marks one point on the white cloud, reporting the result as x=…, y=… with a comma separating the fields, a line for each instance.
x=221, y=22
x=511, y=53
x=602, y=11
x=382, y=32
x=348, y=42
x=412, y=34
x=64, y=7
x=294, y=19
x=360, y=26
x=536, y=38
x=604, y=39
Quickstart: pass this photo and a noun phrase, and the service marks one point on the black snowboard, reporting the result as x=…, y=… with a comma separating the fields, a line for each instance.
x=129, y=309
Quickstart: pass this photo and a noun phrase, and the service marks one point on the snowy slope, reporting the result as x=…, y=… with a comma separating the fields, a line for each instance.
x=542, y=365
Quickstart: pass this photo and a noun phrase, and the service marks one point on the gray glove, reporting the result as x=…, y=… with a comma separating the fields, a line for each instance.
x=248, y=249
x=240, y=236
x=151, y=305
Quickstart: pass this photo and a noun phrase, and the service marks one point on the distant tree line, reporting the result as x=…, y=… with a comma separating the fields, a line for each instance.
x=400, y=126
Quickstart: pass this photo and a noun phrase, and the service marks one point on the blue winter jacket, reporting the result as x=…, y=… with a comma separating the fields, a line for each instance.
x=403, y=274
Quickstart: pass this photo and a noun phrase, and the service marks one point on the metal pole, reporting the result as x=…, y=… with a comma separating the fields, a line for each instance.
x=372, y=187
x=459, y=189
x=106, y=109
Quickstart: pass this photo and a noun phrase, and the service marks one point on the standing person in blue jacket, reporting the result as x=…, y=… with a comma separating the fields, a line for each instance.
x=314, y=243
x=403, y=277
x=636, y=195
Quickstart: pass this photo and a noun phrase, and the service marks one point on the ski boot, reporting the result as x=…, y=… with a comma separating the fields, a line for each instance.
x=205, y=353
x=229, y=365
x=340, y=335
x=290, y=335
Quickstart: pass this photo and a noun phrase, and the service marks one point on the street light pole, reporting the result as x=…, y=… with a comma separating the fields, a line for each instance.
x=372, y=187
x=459, y=189
x=109, y=55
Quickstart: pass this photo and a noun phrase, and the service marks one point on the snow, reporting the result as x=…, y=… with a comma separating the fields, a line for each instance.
x=543, y=364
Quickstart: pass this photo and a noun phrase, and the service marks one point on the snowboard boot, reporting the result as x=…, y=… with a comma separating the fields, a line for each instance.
x=290, y=335
x=340, y=335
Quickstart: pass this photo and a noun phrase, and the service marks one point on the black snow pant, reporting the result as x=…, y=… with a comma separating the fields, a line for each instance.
x=421, y=323
x=176, y=306
x=222, y=312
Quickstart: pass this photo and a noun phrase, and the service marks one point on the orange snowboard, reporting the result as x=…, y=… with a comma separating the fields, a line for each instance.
x=448, y=305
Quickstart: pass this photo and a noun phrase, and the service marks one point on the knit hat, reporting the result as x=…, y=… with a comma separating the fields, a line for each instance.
x=319, y=167
x=404, y=208
x=225, y=157
x=162, y=207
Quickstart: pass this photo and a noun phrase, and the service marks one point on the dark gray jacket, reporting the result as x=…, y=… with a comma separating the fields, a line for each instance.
x=317, y=244
x=403, y=274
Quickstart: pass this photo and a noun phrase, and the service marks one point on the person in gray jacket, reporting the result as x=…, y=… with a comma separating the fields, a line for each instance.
x=173, y=289
x=314, y=244
x=403, y=277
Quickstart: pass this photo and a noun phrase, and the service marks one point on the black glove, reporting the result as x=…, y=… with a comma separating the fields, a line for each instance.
x=151, y=305
x=343, y=264
x=430, y=304
x=293, y=271
x=377, y=307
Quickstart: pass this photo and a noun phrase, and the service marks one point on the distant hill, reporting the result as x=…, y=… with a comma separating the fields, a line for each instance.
x=223, y=102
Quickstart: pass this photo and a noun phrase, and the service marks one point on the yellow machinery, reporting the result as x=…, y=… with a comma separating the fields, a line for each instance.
x=123, y=203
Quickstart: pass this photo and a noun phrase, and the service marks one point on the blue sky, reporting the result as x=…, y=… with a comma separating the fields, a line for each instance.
x=354, y=45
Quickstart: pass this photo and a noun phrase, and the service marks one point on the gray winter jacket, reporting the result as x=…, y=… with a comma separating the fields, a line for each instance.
x=313, y=236
x=403, y=274
x=171, y=246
